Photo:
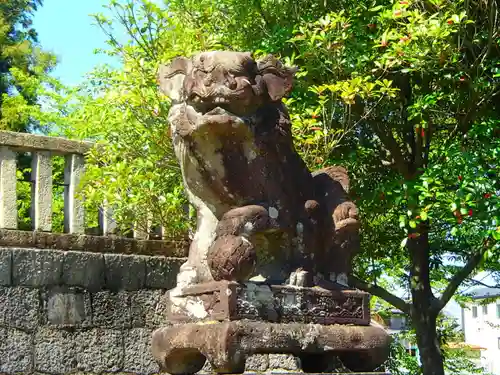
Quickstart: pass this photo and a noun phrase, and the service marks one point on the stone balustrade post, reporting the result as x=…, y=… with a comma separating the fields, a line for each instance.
x=106, y=220
x=8, y=181
x=74, y=216
x=41, y=191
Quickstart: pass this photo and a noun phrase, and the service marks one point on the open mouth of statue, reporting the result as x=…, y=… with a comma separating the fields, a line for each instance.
x=209, y=105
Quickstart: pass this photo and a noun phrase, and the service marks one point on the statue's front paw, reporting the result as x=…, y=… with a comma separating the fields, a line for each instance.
x=346, y=218
x=232, y=258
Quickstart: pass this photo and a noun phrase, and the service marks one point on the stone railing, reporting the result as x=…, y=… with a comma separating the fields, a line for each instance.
x=43, y=149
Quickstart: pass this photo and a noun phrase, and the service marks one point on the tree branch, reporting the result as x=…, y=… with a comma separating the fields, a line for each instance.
x=380, y=292
x=391, y=144
x=459, y=277
x=478, y=282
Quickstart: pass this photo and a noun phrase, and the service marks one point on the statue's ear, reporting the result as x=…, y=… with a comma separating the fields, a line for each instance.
x=277, y=78
x=171, y=77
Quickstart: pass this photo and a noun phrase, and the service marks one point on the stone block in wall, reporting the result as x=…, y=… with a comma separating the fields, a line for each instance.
x=66, y=307
x=283, y=362
x=55, y=351
x=138, y=357
x=36, y=268
x=125, y=272
x=84, y=270
x=161, y=272
x=148, y=308
x=5, y=267
x=111, y=309
x=19, y=307
x=99, y=350
x=16, y=349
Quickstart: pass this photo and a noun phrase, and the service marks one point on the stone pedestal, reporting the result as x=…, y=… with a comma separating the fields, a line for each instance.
x=183, y=349
x=225, y=322
x=225, y=301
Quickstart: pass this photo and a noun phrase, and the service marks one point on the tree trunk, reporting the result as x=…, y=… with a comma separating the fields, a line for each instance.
x=428, y=343
x=425, y=306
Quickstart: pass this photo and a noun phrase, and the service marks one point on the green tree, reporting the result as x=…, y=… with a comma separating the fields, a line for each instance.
x=25, y=85
x=133, y=168
x=23, y=65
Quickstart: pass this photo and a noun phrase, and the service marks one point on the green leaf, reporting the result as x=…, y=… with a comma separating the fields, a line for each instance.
x=403, y=243
x=413, y=224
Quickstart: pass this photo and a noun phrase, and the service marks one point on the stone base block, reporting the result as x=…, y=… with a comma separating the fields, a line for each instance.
x=184, y=348
x=226, y=301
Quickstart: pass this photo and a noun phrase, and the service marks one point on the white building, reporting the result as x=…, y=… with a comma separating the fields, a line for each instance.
x=481, y=326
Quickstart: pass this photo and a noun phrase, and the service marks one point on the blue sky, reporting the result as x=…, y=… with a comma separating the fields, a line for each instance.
x=66, y=29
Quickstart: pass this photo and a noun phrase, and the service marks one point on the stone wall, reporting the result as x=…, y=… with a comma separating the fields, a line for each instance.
x=67, y=311
x=74, y=312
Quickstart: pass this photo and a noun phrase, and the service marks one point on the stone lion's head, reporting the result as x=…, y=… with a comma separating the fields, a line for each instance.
x=232, y=81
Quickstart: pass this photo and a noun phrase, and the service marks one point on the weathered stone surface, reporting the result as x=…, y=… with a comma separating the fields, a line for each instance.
x=125, y=272
x=41, y=204
x=55, y=351
x=138, y=357
x=258, y=362
x=161, y=272
x=67, y=307
x=74, y=213
x=296, y=304
x=283, y=362
x=94, y=244
x=148, y=308
x=19, y=307
x=206, y=369
x=15, y=351
x=223, y=300
x=16, y=238
x=5, y=267
x=36, y=142
x=85, y=270
x=111, y=309
x=226, y=344
x=36, y=268
x=8, y=194
x=99, y=350
x=250, y=187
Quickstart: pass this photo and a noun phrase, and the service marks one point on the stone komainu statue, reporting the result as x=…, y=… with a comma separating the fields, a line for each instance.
x=261, y=212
